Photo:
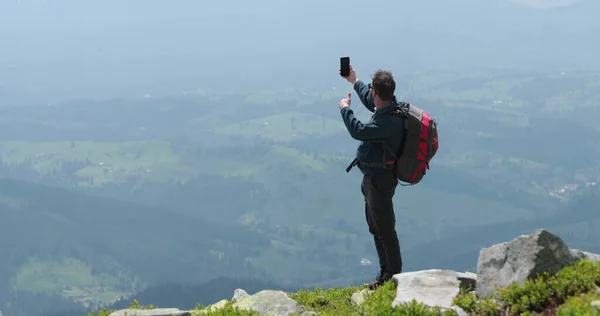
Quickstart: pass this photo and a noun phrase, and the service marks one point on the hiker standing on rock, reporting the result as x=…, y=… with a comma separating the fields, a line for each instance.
x=376, y=164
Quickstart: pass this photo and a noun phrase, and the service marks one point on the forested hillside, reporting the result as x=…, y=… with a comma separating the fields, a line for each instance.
x=101, y=199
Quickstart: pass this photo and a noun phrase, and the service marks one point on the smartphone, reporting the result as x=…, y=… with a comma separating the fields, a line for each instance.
x=345, y=66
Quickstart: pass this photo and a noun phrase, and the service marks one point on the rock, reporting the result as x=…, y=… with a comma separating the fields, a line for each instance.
x=578, y=254
x=238, y=294
x=595, y=305
x=218, y=305
x=459, y=311
x=151, y=312
x=359, y=297
x=270, y=303
x=430, y=287
x=468, y=280
x=522, y=258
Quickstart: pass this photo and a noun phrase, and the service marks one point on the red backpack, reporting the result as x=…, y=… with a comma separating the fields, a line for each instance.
x=419, y=145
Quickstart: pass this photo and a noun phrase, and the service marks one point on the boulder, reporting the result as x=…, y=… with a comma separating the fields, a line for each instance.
x=270, y=303
x=524, y=257
x=239, y=294
x=579, y=254
x=151, y=312
x=433, y=288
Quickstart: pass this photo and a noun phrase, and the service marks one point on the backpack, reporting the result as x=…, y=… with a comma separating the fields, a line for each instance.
x=418, y=146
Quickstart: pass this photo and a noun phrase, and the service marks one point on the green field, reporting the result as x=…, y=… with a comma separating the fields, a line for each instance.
x=103, y=162
x=69, y=277
x=284, y=127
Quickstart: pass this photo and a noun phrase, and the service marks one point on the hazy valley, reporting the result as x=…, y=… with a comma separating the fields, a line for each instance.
x=188, y=188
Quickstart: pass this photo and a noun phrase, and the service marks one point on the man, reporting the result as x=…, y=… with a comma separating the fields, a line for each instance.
x=379, y=180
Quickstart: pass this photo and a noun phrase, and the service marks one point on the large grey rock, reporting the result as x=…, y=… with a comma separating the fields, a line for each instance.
x=270, y=303
x=524, y=257
x=579, y=254
x=218, y=305
x=433, y=288
x=151, y=312
x=239, y=294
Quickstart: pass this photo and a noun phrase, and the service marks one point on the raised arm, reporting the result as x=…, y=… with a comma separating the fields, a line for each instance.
x=381, y=128
x=363, y=91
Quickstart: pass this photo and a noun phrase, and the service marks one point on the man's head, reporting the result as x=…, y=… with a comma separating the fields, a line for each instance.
x=382, y=88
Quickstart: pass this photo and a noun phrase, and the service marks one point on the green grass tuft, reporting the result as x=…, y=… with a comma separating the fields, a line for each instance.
x=580, y=305
x=337, y=301
x=332, y=300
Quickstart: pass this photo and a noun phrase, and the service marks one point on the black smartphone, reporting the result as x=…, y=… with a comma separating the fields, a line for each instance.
x=345, y=66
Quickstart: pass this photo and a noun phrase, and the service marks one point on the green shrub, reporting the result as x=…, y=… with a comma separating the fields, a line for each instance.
x=337, y=301
x=227, y=310
x=579, y=306
x=101, y=312
x=471, y=304
x=332, y=300
x=136, y=305
x=545, y=292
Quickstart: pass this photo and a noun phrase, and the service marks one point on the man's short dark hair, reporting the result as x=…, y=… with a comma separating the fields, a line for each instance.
x=383, y=83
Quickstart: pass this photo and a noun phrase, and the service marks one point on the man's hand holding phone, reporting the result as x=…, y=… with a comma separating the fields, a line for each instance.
x=352, y=76
x=346, y=70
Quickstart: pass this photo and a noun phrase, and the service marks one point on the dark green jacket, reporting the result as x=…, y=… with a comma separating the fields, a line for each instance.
x=386, y=128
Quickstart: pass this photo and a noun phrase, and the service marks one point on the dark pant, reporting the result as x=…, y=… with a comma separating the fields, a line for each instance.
x=378, y=191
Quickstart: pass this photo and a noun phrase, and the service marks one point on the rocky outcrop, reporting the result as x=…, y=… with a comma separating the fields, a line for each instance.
x=578, y=254
x=270, y=302
x=522, y=258
x=430, y=287
x=500, y=265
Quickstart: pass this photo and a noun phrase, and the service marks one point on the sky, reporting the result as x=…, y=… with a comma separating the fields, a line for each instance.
x=54, y=50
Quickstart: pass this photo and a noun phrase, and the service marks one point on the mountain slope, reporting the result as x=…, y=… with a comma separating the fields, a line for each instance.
x=54, y=240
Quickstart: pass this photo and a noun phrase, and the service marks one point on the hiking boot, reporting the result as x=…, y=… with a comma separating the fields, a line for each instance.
x=379, y=281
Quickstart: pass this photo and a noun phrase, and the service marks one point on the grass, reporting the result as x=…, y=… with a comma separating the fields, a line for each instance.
x=571, y=291
x=95, y=164
x=565, y=293
x=331, y=302
x=580, y=305
x=70, y=277
x=103, y=162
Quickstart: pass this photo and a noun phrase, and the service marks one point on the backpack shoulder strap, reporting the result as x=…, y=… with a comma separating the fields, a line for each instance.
x=402, y=113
